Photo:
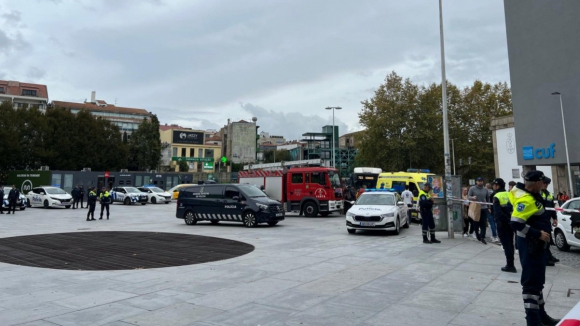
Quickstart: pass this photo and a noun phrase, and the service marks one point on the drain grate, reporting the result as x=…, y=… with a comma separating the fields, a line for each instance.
x=117, y=250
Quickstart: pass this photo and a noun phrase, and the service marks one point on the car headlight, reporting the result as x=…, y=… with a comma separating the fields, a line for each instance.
x=350, y=214
x=388, y=215
x=263, y=207
x=55, y=198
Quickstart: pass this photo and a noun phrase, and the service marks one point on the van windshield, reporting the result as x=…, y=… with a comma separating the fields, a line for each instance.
x=252, y=191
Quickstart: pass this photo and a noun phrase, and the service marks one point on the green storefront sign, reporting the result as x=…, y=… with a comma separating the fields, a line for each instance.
x=192, y=159
x=208, y=165
x=26, y=180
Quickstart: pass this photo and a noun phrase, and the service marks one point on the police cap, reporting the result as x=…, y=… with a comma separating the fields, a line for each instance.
x=534, y=176
x=499, y=182
x=427, y=185
x=547, y=180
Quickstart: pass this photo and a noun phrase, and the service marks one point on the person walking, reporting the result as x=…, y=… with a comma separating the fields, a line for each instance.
x=531, y=223
x=82, y=196
x=1, y=199
x=479, y=193
x=426, y=209
x=490, y=219
x=361, y=191
x=468, y=222
x=105, y=198
x=13, y=196
x=502, y=212
x=349, y=196
x=91, y=204
x=75, y=195
x=565, y=198
x=407, y=197
x=549, y=203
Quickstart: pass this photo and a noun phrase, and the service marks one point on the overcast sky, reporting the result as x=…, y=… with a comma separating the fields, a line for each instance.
x=199, y=62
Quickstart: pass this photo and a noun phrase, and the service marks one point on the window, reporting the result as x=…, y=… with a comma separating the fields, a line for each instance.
x=183, y=152
x=174, y=151
x=325, y=155
x=55, y=182
x=139, y=181
x=208, y=153
x=169, y=183
x=37, y=191
x=192, y=152
x=325, y=144
x=232, y=192
x=121, y=182
x=297, y=178
x=319, y=178
x=200, y=153
x=146, y=179
x=128, y=182
x=413, y=188
x=28, y=92
x=2, y=90
x=399, y=186
x=214, y=192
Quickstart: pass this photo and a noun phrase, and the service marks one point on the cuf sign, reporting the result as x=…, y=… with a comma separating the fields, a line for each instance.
x=531, y=153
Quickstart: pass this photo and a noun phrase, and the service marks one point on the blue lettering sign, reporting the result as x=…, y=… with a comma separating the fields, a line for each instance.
x=539, y=153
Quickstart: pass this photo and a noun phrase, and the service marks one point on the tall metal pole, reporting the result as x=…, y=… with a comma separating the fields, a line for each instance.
x=566, y=145
x=445, y=126
x=333, y=162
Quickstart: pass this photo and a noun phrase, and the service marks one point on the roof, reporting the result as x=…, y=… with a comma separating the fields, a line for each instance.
x=322, y=134
x=214, y=138
x=352, y=133
x=173, y=126
x=94, y=107
x=15, y=88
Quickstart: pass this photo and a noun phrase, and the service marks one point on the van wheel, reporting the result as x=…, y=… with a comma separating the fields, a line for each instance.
x=272, y=223
x=45, y=203
x=324, y=214
x=310, y=209
x=153, y=200
x=249, y=220
x=190, y=218
x=127, y=201
x=561, y=242
x=214, y=222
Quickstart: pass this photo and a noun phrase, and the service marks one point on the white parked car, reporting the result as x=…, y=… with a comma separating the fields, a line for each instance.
x=129, y=195
x=49, y=196
x=567, y=233
x=377, y=210
x=21, y=202
x=156, y=194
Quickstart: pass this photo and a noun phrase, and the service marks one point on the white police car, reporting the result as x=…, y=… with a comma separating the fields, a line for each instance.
x=156, y=194
x=128, y=195
x=21, y=202
x=48, y=196
x=377, y=210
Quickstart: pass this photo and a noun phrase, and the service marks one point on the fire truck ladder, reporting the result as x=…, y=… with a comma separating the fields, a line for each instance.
x=282, y=165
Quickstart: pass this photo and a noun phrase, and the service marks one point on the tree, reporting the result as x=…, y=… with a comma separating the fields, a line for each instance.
x=183, y=166
x=125, y=137
x=145, y=145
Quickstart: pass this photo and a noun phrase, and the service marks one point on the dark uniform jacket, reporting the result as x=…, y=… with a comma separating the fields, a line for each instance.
x=502, y=209
x=14, y=194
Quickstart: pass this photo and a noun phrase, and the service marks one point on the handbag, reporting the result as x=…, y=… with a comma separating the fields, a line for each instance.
x=474, y=211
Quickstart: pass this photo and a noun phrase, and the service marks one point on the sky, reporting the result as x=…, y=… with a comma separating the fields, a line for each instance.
x=198, y=63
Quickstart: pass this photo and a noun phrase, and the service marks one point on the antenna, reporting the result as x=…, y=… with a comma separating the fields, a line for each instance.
x=115, y=101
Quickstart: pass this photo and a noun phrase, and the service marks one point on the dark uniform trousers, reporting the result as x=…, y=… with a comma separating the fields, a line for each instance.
x=103, y=206
x=533, y=257
x=428, y=223
x=12, y=205
x=506, y=237
x=91, y=212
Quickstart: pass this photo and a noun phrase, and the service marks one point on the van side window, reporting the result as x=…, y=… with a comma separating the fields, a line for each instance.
x=214, y=192
x=297, y=178
x=319, y=178
x=414, y=189
x=232, y=192
x=188, y=192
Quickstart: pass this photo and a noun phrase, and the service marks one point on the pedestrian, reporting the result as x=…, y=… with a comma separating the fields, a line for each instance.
x=531, y=223
x=82, y=196
x=490, y=219
x=426, y=209
x=408, y=200
x=1, y=199
x=511, y=184
x=502, y=212
x=479, y=193
x=105, y=198
x=565, y=197
x=549, y=203
x=75, y=195
x=349, y=197
x=559, y=199
x=13, y=197
x=91, y=204
x=468, y=222
x=361, y=191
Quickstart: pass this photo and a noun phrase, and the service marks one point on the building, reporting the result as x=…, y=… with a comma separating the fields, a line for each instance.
x=505, y=154
x=214, y=140
x=266, y=138
x=24, y=94
x=127, y=119
x=543, y=46
x=189, y=145
x=349, y=140
x=239, y=141
x=295, y=148
x=319, y=145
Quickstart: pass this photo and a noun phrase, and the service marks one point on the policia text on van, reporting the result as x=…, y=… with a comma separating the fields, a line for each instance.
x=228, y=203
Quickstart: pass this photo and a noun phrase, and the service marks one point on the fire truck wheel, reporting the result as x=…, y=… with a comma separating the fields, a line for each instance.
x=324, y=214
x=310, y=209
x=249, y=220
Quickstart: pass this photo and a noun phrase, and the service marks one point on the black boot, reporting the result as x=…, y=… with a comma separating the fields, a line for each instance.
x=547, y=320
x=425, y=240
x=433, y=240
x=101, y=218
x=509, y=269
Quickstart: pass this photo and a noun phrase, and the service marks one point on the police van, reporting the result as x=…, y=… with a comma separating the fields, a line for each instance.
x=228, y=203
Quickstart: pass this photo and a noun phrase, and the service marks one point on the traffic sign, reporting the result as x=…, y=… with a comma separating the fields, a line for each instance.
x=107, y=174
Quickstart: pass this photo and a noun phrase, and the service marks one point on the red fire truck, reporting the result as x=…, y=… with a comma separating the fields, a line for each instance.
x=308, y=190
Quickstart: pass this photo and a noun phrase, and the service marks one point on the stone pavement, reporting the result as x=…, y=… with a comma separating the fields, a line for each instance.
x=305, y=271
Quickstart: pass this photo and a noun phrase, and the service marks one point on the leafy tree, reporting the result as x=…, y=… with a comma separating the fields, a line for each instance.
x=145, y=145
x=125, y=137
x=183, y=166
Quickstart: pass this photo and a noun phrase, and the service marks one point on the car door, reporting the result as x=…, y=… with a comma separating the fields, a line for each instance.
x=233, y=205
x=215, y=201
x=37, y=197
x=567, y=220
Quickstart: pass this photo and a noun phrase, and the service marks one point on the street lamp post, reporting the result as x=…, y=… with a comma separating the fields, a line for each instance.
x=453, y=151
x=566, y=145
x=333, y=108
x=445, y=126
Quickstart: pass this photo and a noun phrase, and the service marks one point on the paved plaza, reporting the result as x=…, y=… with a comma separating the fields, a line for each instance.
x=305, y=271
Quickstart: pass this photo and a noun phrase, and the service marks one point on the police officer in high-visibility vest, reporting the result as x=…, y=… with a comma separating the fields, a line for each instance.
x=105, y=202
x=549, y=202
x=92, y=203
x=426, y=209
x=532, y=226
x=502, y=213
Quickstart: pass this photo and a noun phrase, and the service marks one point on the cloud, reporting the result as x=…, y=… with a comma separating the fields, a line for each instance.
x=12, y=17
x=12, y=43
x=35, y=73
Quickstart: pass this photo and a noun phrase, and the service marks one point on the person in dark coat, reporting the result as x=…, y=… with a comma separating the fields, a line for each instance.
x=1, y=198
x=82, y=196
x=91, y=204
x=75, y=195
x=13, y=196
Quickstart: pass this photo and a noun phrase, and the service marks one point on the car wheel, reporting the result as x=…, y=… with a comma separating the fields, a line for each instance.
x=214, y=222
x=167, y=202
x=190, y=218
x=351, y=231
x=22, y=207
x=310, y=209
x=67, y=206
x=560, y=241
x=397, y=227
x=145, y=203
x=28, y=203
x=45, y=204
x=127, y=201
x=324, y=214
x=272, y=223
x=249, y=220
x=406, y=226
x=153, y=200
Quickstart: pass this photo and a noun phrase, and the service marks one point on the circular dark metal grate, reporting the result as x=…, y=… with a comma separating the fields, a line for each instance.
x=98, y=251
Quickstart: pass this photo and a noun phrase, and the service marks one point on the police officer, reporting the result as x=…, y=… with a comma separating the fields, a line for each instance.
x=91, y=204
x=1, y=198
x=75, y=195
x=426, y=209
x=532, y=226
x=105, y=198
x=82, y=196
x=13, y=196
x=502, y=212
x=549, y=202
